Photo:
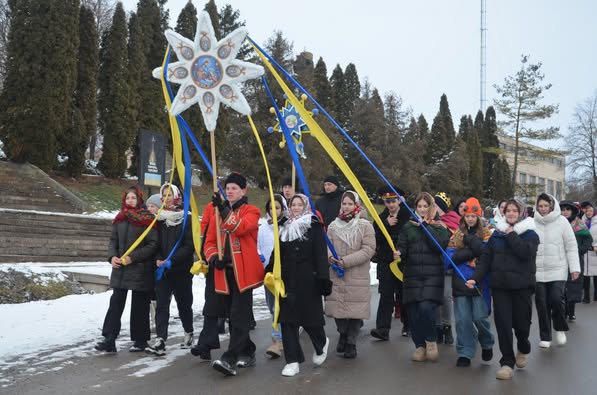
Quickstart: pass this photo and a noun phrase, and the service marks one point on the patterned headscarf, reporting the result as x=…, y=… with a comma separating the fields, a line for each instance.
x=297, y=226
x=347, y=217
x=135, y=215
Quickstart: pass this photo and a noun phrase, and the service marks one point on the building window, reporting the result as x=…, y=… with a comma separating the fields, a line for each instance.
x=541, y=184
x=523, y=178
x=559, y=190
x=550, y=187
x=532, y=180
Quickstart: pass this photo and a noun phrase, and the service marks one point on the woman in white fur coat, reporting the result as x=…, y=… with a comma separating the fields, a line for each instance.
x=557, y=255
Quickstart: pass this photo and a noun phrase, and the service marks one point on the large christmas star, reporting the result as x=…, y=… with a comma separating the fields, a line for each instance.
x=295, y=124
x=208, y=71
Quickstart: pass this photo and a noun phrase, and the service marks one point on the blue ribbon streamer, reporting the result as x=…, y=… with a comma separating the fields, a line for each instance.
x=299, y=170
x=295, y=82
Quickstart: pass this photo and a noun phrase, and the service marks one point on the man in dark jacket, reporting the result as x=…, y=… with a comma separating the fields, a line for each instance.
x=393, y=219
x=329, y=203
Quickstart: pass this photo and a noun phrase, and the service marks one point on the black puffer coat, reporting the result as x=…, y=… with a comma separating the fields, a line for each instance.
x=182, y=259
x=303, y=263
x=423, y=262
x=139, y=274
x=510, y=258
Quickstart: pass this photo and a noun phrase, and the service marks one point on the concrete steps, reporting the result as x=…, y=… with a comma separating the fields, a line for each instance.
x=27, y=236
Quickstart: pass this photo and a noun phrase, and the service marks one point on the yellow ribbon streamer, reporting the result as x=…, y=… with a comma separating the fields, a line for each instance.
x=331, y=150
x=273, y=281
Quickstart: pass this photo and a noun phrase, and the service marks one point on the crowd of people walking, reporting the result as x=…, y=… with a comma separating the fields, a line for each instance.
x=457, y=267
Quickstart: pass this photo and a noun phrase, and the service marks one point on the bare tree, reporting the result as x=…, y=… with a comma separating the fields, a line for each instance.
x=582, y=143
x=103, y=11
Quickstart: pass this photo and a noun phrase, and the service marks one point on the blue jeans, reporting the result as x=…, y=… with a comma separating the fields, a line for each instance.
x=271, y=302
x=472, y=324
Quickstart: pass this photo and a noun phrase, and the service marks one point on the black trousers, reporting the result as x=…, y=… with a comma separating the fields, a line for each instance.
x=512, y=310
x=587, y=287
x=293, y=351
x=422, y=317
x=181, y=286
x=209, y=336
x=550, y=303
x=390, y=289
x=240, y=308
x=139, y=314
x=349, y=328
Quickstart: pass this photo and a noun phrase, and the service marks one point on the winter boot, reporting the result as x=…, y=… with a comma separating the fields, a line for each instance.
x=108, y=345
x=158, y=347
x=381, y=334
x=201, y=351
x=431, y=351
x=351, y=351
x=420, y=355
x=341, y=347
x=463, y=362
x=275, y=349
x=440, y=334
x=522, y=360
x=448, y=338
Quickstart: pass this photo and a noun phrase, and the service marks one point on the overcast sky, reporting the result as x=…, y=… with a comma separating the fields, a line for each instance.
x=421, y=49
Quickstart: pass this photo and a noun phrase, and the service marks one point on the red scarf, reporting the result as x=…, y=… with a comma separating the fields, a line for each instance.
x=347, y=217
x=134, y=215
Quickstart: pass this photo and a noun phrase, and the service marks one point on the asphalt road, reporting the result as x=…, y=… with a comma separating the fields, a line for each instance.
x=380, y=368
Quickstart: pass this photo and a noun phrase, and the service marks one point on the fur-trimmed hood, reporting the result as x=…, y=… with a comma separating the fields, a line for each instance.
x=519, y=228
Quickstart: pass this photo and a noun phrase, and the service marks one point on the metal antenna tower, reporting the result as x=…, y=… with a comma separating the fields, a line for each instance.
x=482, y=79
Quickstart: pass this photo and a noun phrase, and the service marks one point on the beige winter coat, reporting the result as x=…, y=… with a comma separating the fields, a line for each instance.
x=351, y=294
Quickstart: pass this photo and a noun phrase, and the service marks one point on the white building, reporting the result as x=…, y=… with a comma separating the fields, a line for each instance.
x=535, y=174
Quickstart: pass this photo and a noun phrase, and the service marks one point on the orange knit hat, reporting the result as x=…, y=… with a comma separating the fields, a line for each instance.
x=472, y=206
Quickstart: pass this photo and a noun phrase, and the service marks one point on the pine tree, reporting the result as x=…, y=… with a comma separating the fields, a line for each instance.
x=41, y=72
x=85, y=112
x=323, y=91
x=337, y=84
x=519, y=103
x=423, y=133
x=439, y=142
x=352, y=90
x=502, y=181
x=113, y=97
x=444, y=110
x=229, y=22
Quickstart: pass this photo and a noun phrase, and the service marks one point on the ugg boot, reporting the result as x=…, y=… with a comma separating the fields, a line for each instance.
x=504, y=373
x=275, y=349
x=420, y=355
x=431, y=351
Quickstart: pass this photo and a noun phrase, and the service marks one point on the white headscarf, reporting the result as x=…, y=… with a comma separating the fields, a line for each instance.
x=297, y=225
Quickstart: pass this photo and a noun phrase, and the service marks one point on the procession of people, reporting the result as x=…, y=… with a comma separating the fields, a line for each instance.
x=458, y=269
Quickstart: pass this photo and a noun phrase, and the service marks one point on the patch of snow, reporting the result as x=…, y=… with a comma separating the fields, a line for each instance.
x=2, y=154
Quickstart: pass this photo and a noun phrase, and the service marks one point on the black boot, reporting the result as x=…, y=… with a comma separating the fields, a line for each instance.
x=341, y=347
x=448, y=338
x=381, y=334
x=440, y=334
x=107, y=345
x=351, y=351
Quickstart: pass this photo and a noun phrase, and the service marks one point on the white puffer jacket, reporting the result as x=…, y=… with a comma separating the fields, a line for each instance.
x=558, y=252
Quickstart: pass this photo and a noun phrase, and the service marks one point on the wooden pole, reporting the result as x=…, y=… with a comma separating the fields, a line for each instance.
x=212, y=137
x=293, y=178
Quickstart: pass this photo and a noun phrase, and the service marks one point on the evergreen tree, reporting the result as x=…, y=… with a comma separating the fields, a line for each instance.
x=519, y=102
x=439, y=142
x=41, y=72
x=423, y=133
x=151, y=114
x=469, y=135
x=229, y=22
x=323, y=92
x=85, y=112
x=502, y=180
x=212, y=10
x=444, y=110
x=490, y=143
x=337, y=84
x=451, y=176
x=113, y=97
x=352, y=90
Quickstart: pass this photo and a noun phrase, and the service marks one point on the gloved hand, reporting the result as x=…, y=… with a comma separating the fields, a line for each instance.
x=217, y=201
x=282, y=220
x=325, y=286
x=262, y=258
x=217, y=263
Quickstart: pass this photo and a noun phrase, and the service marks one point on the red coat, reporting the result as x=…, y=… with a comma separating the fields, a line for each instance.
x=239, y=229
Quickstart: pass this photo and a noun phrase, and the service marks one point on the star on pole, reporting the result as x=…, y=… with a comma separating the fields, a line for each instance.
x=208, y=72
x=295, y=124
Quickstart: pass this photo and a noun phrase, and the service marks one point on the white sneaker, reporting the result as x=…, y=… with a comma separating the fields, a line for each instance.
x=291, y=369
x=188, y=340
x=560, y=338
x=544, y=344
x=319, y=359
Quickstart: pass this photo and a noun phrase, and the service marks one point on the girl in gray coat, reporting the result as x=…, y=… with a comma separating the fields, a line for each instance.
x=135, y=272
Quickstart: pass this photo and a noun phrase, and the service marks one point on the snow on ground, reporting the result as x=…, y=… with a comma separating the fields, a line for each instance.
x=47, y=335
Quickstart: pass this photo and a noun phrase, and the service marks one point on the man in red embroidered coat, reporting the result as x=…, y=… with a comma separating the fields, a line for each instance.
x=238, y=272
